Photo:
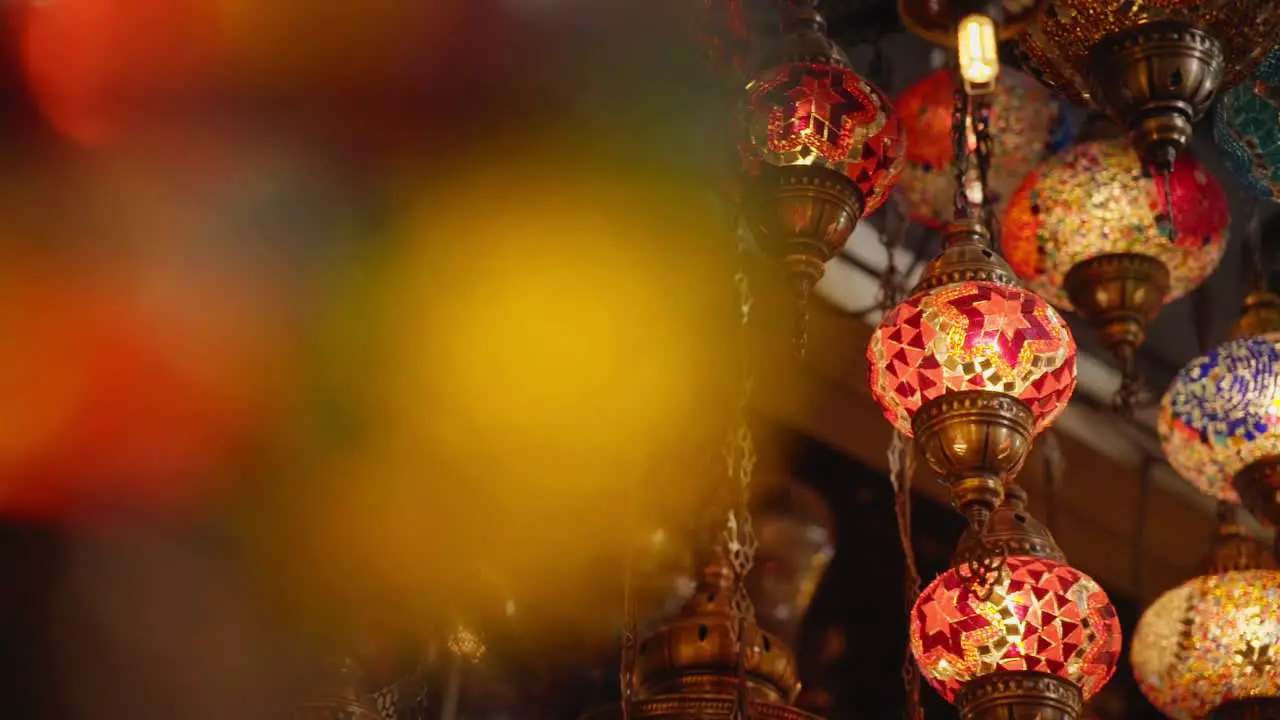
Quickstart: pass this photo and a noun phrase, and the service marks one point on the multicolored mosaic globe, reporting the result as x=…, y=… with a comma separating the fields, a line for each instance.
x=1055, y=48
x=1095, y=198
x=972, y=336
x=1222, y=413
x=1213, y=639
x=826, y=115
x=1042, y=615
x=1027, y=125
x=1246, y=127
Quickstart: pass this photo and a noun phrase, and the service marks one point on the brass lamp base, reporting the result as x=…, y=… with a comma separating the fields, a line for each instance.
x=1250, y=709
x=806, y=215
x=1157, y=79
x=1119, y=293
x=974, y=440
x=1259, y=488
x=1014, y=695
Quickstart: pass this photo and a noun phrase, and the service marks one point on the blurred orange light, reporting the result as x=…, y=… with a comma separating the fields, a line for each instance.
x=92, y=65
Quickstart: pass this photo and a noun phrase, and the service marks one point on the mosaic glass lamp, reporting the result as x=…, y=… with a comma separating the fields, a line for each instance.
x=825, y=149
x=1036, y=640
x=1219, y=421
x=1207, y=648
x=973, y=366
x=1246, y=127
x=1154, y=67
x=1027, y=125
x=1086, y=231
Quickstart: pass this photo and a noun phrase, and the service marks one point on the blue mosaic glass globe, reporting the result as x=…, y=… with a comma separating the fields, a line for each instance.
x=1246, y=127
x=1222, y=413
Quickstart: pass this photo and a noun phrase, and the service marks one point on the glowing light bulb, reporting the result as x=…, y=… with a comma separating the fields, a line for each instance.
x=979, y=53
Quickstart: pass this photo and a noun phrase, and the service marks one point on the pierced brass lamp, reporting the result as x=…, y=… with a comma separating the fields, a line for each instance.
x=688, y=668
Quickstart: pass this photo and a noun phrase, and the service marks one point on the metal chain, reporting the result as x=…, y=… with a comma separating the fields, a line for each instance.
x=1055, y=465
x=891, y=281
x=982, y=153
x=626, y=675
x=902, y=468
x=740, y=458
x=1256, y=255
x=960, y=151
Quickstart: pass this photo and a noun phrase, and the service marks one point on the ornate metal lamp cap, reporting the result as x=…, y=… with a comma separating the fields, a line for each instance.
x=1019, y=694
x=1234, y=549
x=1010, y=529
x=1260, y=317
x=966, y=255
x=1158, y=78
x=804, y=35
x=696, y=651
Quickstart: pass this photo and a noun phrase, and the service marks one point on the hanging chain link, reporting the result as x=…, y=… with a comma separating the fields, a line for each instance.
x=626, y=675
x=1257, y=257
x=740, y=459
x=1055, y=466
x=960, y=151
x=902, y=468
x=982, y=153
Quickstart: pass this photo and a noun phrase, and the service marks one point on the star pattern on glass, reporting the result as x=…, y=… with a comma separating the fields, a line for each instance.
x=828, y=116
x=1032, y=621
x=972, y=336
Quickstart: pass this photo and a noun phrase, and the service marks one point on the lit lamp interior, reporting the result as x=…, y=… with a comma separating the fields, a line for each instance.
x=978, y=53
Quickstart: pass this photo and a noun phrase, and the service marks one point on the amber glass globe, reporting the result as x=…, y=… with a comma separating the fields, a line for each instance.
x=1211, y=640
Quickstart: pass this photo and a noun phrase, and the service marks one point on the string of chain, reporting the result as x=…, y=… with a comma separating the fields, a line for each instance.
x=902, y=468
x=740, y=460
x=1055, y=465
x=960, y=151
x=1166, y=186
x=982, y=154
x=1256, y=255
x=626, y=675
x=1131, y=383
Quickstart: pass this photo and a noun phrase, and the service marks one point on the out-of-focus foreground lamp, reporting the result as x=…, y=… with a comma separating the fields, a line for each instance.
x=340, y=696
x=1034, y=640
x=974, y=28
x=688, y=667
x=1246, y=128
x=824, y=150
x=1208, y=648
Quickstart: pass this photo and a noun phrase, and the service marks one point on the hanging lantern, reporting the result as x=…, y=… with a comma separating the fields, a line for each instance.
x=1154, y=67
x=1246, y=127
x=1207, y=648
x=973, y=366
x=796, y=543
x=1084, y=231
x=974, y=28
x=1219, y=421
x=825, y=150
x=689, y=666
x=1027, y=125
x=1037, y=640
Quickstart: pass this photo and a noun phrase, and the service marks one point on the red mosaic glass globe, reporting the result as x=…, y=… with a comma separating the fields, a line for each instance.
x=972, y=336
x=826, y=115
x=1042, y=615
x=1027, y=125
